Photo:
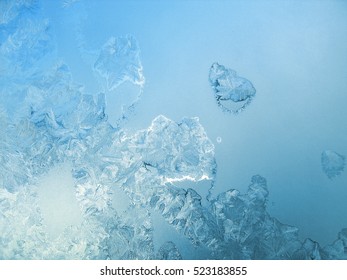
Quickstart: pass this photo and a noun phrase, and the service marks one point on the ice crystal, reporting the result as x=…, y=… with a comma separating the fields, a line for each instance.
x=232, y=92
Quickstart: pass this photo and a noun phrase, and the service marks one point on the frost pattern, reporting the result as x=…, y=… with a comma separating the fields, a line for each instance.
x=119, y=61
x=99, y=166
x=119, y=64
x=24, y=36
x=169, y=251
x=103, y=158
x=332, y=163
x=232, y=92
x=47, y=120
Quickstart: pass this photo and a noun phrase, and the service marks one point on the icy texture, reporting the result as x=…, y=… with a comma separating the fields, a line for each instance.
x=248, y=230
x=183, y=210
x=338, y=250
x=119, y=61
x=310, y=250
x=332, y=163
x=47, y=120
x=24, y=40
x=232, y=92
x=58, y=123
x=24, y=36
x=119, y=69
x=168, y=251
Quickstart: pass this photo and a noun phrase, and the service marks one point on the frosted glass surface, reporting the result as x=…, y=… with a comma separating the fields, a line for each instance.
x=173, y=129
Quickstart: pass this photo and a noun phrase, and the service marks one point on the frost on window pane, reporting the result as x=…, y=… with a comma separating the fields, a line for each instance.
x=24, y=35
x=120, y=70
x=119, y=61
x=59, y=123
x=48, y=121
x=310, y=250
x=337, y=250
x=168, y=251
x=232, y=92
x=332, y=163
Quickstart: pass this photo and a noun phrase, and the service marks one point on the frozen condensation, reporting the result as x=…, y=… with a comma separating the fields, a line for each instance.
x=56, y=123
x=232, y=92
x=119, y=61
x=120, y=69
x=169, y=251
x=47, y=121
x=24, y=36
x=332, y=163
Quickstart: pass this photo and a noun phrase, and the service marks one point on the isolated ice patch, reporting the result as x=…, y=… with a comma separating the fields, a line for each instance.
x=332, y=163
x=232, y=92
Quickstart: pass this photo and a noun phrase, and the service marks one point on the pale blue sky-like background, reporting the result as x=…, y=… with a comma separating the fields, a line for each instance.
x=294, y=53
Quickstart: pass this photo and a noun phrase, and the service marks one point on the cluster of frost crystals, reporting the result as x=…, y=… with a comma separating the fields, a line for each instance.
x=178, y=151
x=60, y=105
x=337, y=250
x=119, y=61
x=183, y=210
x=168, y=251
x=22, y=234
x=47, y=120
x=311, y=250
x=332, y=163
x=119, y=69
x=232, y=92
x=24, y=36
x=248, y=231
x=61, y=123
x=238, y=226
